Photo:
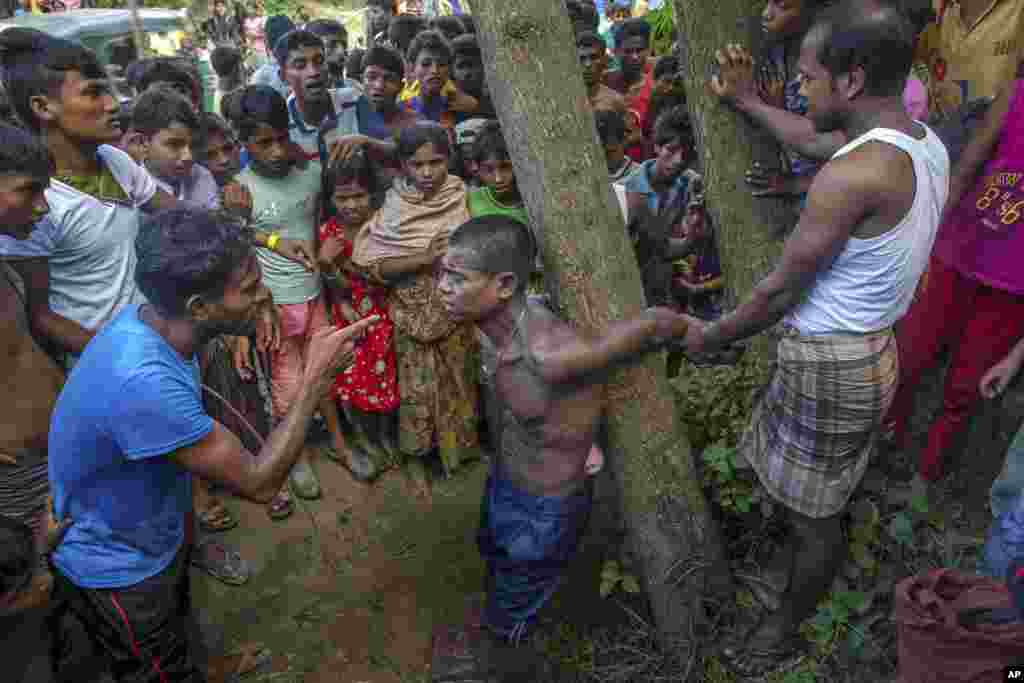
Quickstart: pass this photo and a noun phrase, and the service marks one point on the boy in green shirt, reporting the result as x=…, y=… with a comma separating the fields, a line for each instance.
x=498, y=193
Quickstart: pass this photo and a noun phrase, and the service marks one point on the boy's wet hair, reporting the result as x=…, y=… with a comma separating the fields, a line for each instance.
x=34, y=64
x=295, y=40
x=187, y=251
x=255, y=105
x=490, y=143
x=673, y=124
x=497, y=244
x=411, y=138
x=429, y=41
x=22, y=153
x=583, y=16
x=18, y=560
x=611, y=126
x=159, y=108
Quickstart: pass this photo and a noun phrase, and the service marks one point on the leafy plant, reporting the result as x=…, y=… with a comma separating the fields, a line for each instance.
x=612, y=577
x=714, y=403
x=833, y=625
x=865, y=535
x=733, y=493
x=662, y=21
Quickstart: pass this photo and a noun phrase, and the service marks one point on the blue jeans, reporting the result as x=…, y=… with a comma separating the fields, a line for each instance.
x=527, y=542
x=1010, y=482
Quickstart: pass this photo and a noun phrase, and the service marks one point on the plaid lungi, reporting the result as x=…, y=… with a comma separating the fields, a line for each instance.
x=816, y=426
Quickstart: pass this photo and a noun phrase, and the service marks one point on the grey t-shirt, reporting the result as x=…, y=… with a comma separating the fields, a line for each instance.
x=286, y=206
x=90, y=244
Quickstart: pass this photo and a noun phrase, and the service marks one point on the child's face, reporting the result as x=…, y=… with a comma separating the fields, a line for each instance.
x=427, y=169
x=352, y=202
x=619, y=14
x=169, y=153
x=782, y=18
x=221, y=157
x=269, y=149
x=468, y=72
x=499, y=175
x=431, y=70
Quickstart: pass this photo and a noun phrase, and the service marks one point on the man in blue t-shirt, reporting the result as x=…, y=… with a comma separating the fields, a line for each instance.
x=129, y=429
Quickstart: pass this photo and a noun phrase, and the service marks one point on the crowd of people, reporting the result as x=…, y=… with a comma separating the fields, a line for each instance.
x=190, y=296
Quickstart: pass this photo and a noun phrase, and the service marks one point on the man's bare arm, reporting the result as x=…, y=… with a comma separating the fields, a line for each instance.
x=567, y=355
x=64, y=332
x=792, y=130
x=222, y=458
x=979, y=148
x=842, y=194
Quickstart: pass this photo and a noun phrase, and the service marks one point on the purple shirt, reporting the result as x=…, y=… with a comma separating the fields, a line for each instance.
x=984, y=236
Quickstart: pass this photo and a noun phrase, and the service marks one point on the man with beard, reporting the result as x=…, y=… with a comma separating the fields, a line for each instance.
x=378, y=16
x=847, y=274
x=129, y=430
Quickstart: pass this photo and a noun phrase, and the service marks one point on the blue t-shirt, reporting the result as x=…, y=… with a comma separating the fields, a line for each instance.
x=130, y=401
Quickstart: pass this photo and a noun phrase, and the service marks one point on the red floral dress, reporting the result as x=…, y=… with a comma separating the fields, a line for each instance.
x=370, y=384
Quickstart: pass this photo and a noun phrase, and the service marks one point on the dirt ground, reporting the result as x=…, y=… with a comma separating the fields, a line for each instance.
x=350, y=586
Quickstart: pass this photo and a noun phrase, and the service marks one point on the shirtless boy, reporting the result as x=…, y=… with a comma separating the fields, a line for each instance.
x=548, y=380
x=27, y=373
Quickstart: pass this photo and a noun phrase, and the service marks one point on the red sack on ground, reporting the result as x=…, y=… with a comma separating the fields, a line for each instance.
x=935, y=647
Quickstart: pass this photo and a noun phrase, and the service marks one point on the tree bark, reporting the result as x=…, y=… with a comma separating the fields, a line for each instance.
x=750, y=230
x=533, y=74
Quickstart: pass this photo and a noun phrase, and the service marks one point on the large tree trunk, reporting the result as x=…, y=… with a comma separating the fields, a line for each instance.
x=534, y=79
x=750, y=230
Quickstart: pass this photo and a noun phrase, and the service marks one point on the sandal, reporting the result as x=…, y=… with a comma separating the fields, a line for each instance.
x=356, y=461
x=216, y=517
x=220, y=562
x=281, y=506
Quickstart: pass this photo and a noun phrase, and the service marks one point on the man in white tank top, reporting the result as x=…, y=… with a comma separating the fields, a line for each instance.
x=847, y=273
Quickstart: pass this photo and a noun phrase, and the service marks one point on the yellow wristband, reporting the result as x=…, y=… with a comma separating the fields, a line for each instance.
x=272, y=241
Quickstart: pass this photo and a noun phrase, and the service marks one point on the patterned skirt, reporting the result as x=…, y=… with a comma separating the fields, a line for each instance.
x=815, y=428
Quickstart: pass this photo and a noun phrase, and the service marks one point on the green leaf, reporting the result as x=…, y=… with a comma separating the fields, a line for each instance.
x=630, y=584
x=607, y=587
x=902, y=529
x=823, y=621
x=863, y=556
x=743, y=504
x=854, y=601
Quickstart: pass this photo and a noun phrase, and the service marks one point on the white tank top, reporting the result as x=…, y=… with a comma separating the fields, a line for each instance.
x=871, y=283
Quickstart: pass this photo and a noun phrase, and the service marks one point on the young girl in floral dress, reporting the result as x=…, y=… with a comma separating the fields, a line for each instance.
x=367, y=391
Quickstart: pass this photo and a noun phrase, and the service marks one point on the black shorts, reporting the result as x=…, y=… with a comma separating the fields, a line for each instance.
x=139, y=633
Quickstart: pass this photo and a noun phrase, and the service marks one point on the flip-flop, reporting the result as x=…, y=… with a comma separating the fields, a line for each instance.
x=281, y=506
x=227, y=566
x=216, y=517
